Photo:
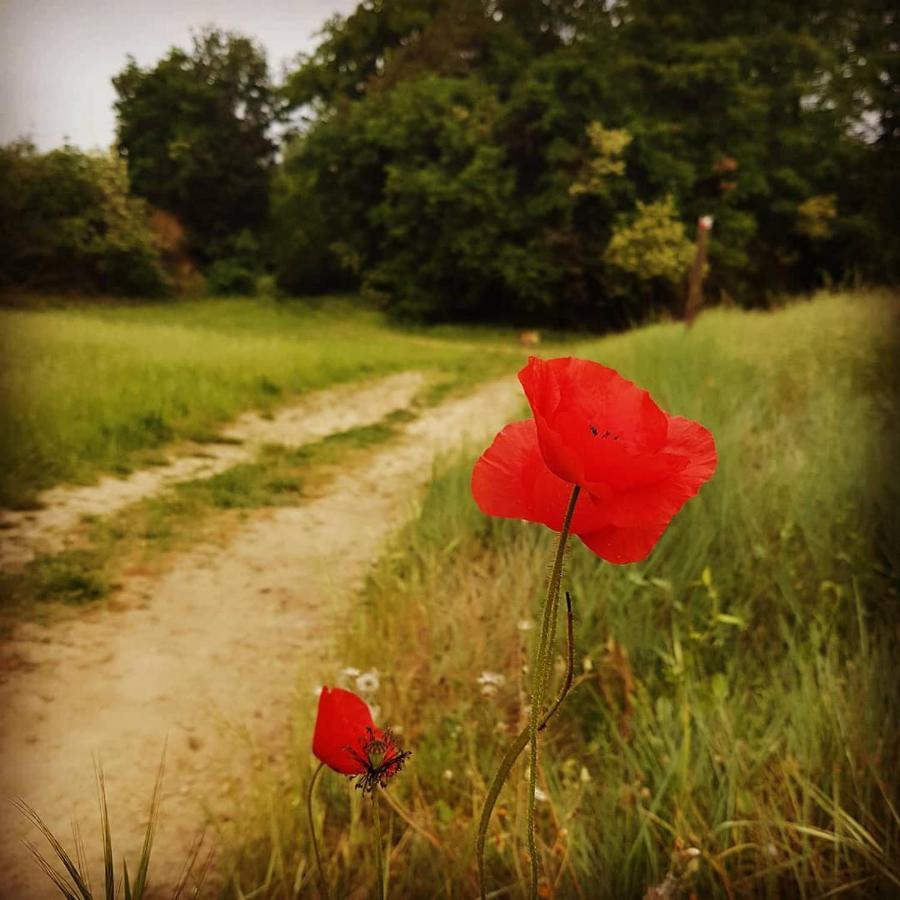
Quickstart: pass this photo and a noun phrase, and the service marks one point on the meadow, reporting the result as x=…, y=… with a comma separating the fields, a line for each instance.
x=93, y=388
x=733, y=730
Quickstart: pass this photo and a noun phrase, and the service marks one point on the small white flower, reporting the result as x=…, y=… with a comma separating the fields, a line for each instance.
x=489, y=682
x=368, y=682
x=585, y=776
x=317, y=690
x=539, y=795
x=349, y=672
x=587, y=664
x=692, y=852
x=448, y=774
x=525, y=625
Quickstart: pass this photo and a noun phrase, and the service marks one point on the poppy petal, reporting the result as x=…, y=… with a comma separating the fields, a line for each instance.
x=511, y=480
x=343, y=721
x=657, y=503
x=623, y=545
x=593, y=424
x=636, y=465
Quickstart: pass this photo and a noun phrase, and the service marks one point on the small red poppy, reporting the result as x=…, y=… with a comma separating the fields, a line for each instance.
x=346, y=740
x=636, y=464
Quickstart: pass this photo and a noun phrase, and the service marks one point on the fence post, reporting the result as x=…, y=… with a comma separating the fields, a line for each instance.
x=695, y=276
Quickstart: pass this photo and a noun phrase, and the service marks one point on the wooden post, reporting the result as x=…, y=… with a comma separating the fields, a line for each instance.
x=695, y=276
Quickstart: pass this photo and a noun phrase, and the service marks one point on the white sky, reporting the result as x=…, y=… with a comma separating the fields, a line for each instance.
x=57, y=56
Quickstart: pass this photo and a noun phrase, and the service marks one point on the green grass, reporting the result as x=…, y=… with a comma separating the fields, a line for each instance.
x=94, y=388
x=734, y=727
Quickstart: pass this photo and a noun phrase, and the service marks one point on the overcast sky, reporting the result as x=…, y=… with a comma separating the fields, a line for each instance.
x=57, y=56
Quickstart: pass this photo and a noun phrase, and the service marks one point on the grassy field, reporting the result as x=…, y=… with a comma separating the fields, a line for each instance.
x=734, y=726
x=92, y=388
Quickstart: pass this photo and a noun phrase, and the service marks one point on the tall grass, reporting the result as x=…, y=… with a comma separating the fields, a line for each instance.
x=84, y=389
x=734, y=726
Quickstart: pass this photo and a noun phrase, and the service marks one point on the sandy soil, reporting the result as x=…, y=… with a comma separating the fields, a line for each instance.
x=52, y=527
x=213, y=649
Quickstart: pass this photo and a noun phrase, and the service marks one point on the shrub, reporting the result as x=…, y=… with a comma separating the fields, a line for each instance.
x=70, y=223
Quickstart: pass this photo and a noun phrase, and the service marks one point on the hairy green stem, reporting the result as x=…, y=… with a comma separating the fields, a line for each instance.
x=545, y=644
x=379, y=846
x=514, y=749
x=541, y=680
x=570, y=665
x=323, y=884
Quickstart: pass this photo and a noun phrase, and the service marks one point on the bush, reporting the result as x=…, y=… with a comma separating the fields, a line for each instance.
x=230, y=278
x=235, y=271
x=70, y=223
x=651, y=244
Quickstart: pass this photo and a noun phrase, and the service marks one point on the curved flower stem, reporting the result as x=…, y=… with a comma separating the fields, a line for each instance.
x=570, y=665
x=379, y=847
x=521, y=741
x=323, y=884
x=540, y=681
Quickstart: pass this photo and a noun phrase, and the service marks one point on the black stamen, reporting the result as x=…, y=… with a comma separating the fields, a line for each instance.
x=377, y=775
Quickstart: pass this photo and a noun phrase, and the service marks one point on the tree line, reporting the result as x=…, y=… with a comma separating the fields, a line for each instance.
x=506, y=160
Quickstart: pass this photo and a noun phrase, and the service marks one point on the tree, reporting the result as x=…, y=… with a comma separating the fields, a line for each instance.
x=195, y=130
x=779, y=119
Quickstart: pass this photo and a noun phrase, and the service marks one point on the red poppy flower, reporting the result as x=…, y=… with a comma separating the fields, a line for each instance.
x=346, y=740
x=636, y=464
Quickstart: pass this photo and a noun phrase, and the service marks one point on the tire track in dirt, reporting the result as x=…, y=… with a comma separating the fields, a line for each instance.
x=51, y=528
x=212, y=648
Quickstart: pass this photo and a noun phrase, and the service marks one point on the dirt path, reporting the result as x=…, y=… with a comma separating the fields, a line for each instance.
x=48, y=529
x=215, y=645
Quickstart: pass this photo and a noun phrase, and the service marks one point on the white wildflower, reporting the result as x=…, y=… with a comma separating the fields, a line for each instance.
x=368, y=682
x=490, y=682
x=539, y=795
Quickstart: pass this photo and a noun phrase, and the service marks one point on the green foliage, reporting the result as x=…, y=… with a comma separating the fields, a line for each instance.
x=651, y=244
x=746, y=115
x=195, y=132
x=236, y=272
x=816, y=215
x=68, y=220
x=609, y=146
